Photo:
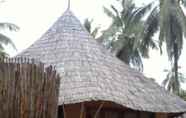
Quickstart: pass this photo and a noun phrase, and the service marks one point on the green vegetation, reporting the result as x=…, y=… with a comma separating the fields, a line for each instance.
x=88, y=26
x=182, y=94
x=171, y=84
x=4, y=40
x=168, y=18
x=123, y=37
x=125, y=32
x=130, y=36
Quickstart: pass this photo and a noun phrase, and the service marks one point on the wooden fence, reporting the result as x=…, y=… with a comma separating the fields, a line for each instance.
x=27, y=89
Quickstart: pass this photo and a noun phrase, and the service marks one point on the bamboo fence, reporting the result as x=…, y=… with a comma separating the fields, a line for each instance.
x=27, y=89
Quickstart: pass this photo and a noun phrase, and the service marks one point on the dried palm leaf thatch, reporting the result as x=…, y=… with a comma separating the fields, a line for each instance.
x=91, y=73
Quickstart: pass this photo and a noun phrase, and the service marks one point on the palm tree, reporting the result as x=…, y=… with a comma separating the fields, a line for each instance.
x=4, y=40
x=123, y=37
x=183, y=94
x=168, y=18
x=88, y=25
x=171, y=84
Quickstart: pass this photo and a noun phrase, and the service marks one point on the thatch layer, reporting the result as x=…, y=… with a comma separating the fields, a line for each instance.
x=90, y=72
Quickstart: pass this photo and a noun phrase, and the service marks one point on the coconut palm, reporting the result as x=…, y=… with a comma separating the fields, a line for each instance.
x=183, y=2
x=123, y=36
x=88, y=25
x=183, y=94
x=168, y=18
x=172, y=84
x=4, y=40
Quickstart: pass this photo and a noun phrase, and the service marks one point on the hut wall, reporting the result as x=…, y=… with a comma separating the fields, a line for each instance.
x=160, y=115
x=145, y=115
x=73, y=111
x=131, y=115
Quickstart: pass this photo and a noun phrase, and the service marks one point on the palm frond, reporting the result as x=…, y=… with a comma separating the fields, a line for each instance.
x=181, y=17
x=165, y=6
x=136, y=60
x=166, y=81
x=117, y=19
x=87, y=25
x=95, y=32
x=1, y=47
x=183, y=2
x=151, y=26
x=115, y=10
x=172, y=26
x=127, y=51
x=124, y=34
x=141, y=12
x=182, y=79
x=174, y=37
x=128, y=5
x=9, y=26
x=171, y=83
x=110, y=32
x=5, y=40
x=109, y=13
x=3, y=53
x=127, y=13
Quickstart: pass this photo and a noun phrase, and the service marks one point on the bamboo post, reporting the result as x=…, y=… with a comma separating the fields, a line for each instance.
x=82, y=110
x=161, y=115
x=99, y=109
x=64, y=112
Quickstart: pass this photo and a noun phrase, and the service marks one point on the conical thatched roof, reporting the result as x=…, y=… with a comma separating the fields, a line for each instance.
x=89, y=72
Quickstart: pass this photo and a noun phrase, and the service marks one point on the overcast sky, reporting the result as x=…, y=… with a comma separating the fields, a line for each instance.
x=34, y=17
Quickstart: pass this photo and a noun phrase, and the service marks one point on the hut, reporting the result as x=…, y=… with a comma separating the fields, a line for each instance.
x=95, y=84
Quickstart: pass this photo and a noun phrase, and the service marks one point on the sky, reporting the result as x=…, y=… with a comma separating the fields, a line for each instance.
x=34, y=17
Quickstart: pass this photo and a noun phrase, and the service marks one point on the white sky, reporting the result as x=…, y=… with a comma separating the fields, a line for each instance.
x=34, y=17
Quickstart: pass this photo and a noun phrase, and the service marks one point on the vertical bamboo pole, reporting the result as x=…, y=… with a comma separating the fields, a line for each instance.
x=161, y=115
x=99, y=109
x=82, y=110
x=64, y=112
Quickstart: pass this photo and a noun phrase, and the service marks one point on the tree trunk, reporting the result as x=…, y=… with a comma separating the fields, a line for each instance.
x=176, y=67
x=123, y=55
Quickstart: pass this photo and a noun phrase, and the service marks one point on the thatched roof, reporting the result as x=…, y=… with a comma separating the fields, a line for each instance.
x=90, y=73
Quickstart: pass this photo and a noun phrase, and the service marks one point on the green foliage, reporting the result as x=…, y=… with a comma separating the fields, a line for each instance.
x=123, y=37
x=183, y=2
x=150, y=28
x=88, y=26
x=183, y=94
x=172, y=26
x=4, y=40
x=171, y=83
x=168, y=17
